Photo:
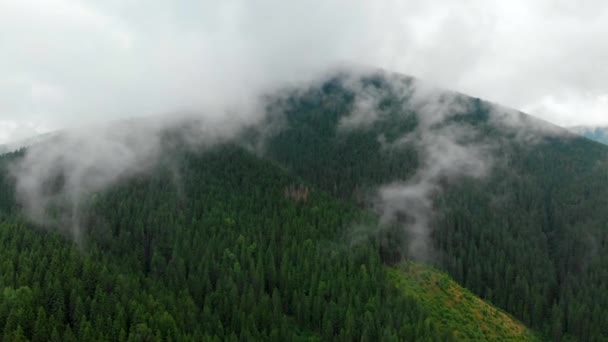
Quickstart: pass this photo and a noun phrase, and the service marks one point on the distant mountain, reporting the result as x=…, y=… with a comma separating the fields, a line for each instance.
x=599, y=134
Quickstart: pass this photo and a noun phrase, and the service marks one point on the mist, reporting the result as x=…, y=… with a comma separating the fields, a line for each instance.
x=65, y=169
x=448, y=150
x=73, y=63
x=59, y=173
x=89, y=68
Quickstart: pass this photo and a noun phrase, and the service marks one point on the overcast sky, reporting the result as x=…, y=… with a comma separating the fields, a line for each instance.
x=66, y=63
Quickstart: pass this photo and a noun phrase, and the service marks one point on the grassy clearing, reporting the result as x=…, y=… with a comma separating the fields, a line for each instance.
x=451, y=305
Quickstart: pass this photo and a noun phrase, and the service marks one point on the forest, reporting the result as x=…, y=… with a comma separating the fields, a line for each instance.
x=285, y=243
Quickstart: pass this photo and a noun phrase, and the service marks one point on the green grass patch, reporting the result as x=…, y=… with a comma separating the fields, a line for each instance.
x=454, y=307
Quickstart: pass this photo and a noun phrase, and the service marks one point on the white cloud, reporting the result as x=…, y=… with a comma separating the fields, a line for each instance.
x=14, y=131
x=70, y=62
x=564, y=109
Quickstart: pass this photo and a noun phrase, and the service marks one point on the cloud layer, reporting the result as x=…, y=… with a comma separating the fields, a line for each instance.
x=74, y=62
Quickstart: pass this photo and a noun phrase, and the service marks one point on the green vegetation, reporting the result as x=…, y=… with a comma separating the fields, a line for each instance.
x=529, y=238
x=456, y=308
x=263, y=246
x=226, y=256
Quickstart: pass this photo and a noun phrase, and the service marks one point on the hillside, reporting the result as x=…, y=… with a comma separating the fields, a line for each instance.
x=295, y=229
x=227, y=257
x=528, y=235
x=455, y=308
x=235, y=238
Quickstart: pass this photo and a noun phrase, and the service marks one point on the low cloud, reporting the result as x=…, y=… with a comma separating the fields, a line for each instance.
x=71, y=63
x=57, y=175
x=448, y=151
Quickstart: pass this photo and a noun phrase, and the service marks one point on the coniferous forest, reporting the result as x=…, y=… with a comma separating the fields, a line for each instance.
x=284, y=242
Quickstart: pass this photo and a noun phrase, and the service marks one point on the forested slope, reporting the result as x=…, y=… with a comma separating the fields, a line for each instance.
x=276, y=235
x=530, y=236
x=455, y=308
x=225, y=255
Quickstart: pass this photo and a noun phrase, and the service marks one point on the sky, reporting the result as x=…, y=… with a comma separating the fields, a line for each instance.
x=66, y=63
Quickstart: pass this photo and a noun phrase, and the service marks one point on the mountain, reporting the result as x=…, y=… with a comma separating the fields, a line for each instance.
x=528, y=237
x=362, y=208
x=599, y=134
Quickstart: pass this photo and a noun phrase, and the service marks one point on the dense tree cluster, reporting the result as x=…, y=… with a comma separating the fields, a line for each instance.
x=530, y=237
x=220, y=254
x=231, y=243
